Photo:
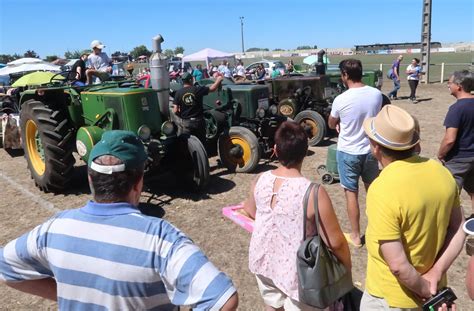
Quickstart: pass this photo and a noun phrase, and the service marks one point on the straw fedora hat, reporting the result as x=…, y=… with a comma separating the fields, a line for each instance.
x=393, y=128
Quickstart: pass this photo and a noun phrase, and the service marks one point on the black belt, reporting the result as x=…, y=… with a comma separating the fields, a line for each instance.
x=193, y=119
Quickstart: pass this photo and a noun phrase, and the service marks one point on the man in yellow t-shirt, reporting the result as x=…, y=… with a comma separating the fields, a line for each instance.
x=414, y=229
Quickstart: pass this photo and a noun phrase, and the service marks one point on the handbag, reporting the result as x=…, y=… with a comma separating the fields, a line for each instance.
x=323, y=279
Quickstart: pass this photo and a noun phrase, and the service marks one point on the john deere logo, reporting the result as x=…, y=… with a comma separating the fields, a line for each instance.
x=286, y=110
x=145, y=106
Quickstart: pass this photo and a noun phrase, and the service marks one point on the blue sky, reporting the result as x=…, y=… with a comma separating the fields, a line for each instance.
x=51, y=27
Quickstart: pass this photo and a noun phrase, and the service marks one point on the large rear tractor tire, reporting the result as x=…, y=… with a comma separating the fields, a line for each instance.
x=198, y=175
x=48, y=143
x=313, y=124
x=238, y=150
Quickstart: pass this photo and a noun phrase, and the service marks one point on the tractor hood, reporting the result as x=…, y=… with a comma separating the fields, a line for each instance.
x=129, y=108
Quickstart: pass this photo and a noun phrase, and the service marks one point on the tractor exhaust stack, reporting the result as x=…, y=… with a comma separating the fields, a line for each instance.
x=159, y=75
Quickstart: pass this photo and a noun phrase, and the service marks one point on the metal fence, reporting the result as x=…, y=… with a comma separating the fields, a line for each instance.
x=439, y=73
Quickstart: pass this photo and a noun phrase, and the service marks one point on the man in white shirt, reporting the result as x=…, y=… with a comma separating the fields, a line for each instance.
x=354, y=159
x=99, y=63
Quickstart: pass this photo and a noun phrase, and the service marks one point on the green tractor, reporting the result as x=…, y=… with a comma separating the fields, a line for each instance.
x=308, y=98
x=240, y=124
x=57, y=121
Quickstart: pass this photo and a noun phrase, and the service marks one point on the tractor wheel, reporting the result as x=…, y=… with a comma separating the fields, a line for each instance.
x=48, y=144
x=239, y=150
x=215, y=123
x=327, y=179
x=313, y=124
x=199, y=176
x=321, y=169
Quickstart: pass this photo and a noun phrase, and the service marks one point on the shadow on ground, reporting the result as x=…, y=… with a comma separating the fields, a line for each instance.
x=14, y=152
x=170, y=186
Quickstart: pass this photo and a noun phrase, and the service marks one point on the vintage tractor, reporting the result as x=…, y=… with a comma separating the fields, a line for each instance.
x=241, y=123
x=57, y=121
x=307, y=98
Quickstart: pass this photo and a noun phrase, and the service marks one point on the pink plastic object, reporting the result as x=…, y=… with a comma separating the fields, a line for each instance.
x=147, y=80
x=234, y=213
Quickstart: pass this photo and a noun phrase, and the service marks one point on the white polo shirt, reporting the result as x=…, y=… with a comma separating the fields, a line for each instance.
x=352, y=107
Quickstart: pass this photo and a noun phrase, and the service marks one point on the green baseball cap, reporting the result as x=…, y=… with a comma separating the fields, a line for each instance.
x=124, y=145
x=187, y=77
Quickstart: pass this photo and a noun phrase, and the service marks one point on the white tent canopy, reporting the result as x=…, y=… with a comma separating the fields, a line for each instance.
x=208, y=55
x=25, y=67
x=25, y=60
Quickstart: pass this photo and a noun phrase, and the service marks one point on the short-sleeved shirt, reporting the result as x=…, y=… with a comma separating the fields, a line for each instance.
x=197, y=74
x=81, y=64
x=416, y=75
x=225, y=71
x=411, y=200
x=396, y=64
x=277, y=228
x=110, y=256
x=352, y=107
x=99, y=62
x=461, y=116
x=189, y=100
x=240, y=71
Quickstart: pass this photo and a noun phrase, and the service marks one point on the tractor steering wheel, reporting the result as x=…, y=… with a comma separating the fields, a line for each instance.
x=56, y=79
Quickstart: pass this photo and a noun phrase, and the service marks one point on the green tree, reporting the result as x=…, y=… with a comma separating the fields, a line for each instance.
x=140, y=50
x=75, y=54
x=31, y=53
x=278, y=49
x=6, y=58
x=51, y=58
x=304, y=47
x=169, y=53
x=178, y=50
x=257, y=49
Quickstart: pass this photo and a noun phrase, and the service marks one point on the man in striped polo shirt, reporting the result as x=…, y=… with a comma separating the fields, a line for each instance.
x=107, y=255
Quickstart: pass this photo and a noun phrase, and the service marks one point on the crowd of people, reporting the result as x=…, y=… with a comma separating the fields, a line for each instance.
x=108, y=255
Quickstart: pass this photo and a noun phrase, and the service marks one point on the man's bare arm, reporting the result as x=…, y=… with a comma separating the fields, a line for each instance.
x=333, y=122
x=216, y=84
x=232, y=303
x=448, y=142
x=453, y=244
x=395, y=257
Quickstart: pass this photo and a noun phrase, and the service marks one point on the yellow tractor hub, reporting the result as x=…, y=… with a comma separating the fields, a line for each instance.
x=34, y=148
x=246, y=151
x=310, y=127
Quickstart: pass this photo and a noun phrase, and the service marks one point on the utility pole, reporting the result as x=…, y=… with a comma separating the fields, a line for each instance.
x=242, y=32
x=426, y=39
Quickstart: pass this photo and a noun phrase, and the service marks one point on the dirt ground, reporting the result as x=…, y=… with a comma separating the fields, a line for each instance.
x=22, y=207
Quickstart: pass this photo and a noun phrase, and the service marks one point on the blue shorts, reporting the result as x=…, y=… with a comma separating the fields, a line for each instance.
x=351, y=167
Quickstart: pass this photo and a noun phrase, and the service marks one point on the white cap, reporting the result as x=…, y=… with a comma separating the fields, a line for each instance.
x=97, y=44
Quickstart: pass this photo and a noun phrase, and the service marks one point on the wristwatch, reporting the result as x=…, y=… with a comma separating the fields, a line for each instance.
x=470, y=246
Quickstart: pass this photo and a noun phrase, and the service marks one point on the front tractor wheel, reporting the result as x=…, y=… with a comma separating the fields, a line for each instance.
x=239, y=150
x=313, y=124
x=48, y=146
x=198, y=174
